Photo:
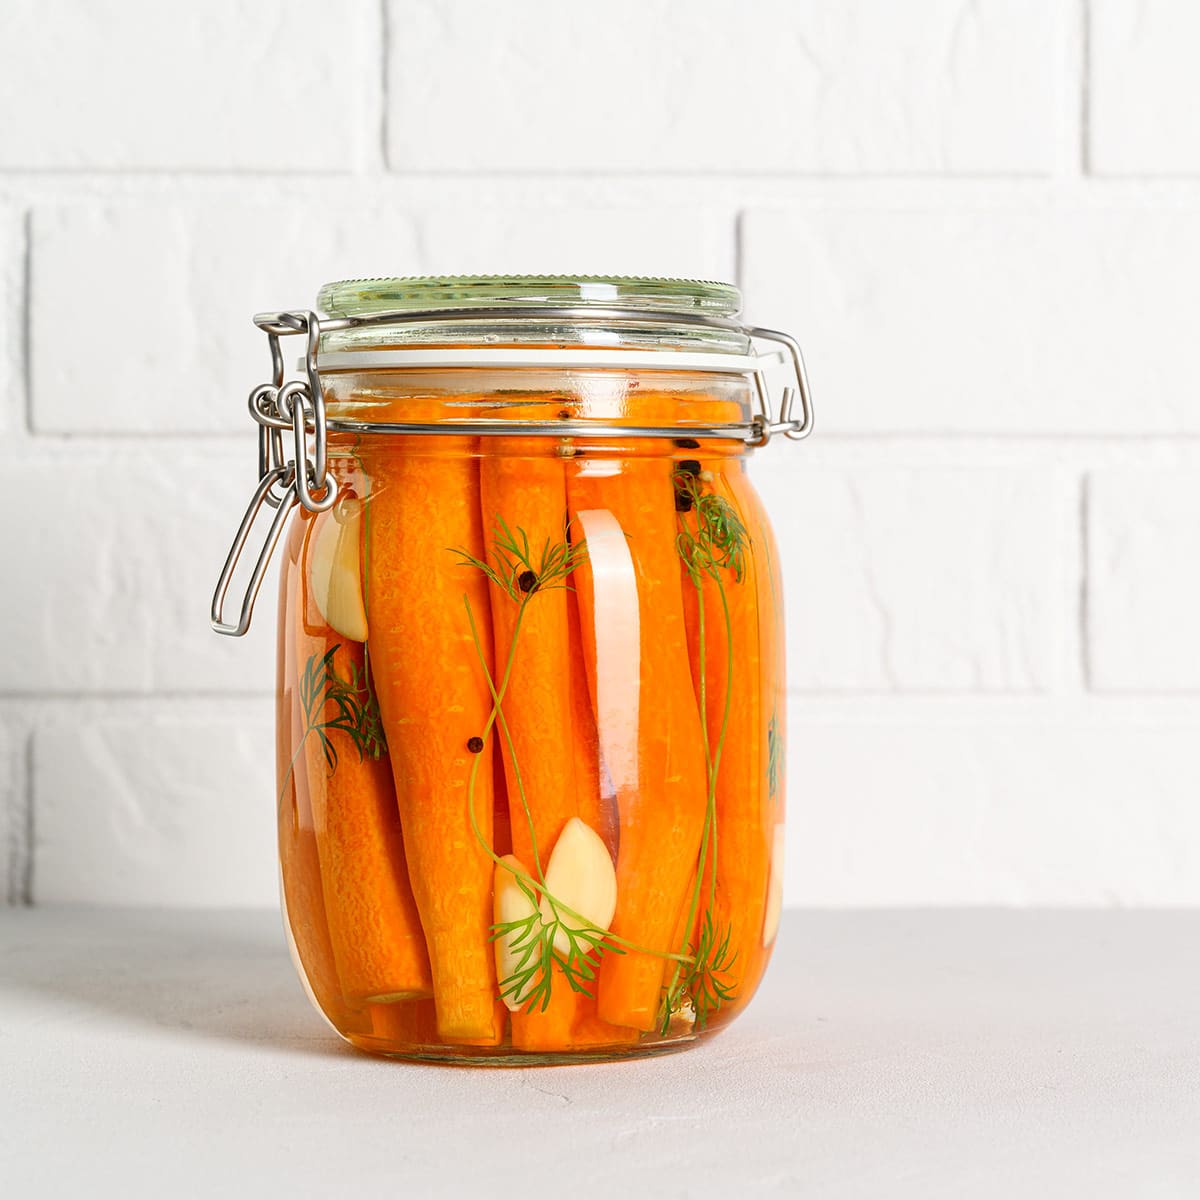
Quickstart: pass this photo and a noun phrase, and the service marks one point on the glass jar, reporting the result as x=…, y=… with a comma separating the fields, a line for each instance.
x=531, y=678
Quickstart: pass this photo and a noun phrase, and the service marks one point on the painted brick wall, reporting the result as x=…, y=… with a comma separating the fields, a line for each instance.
x=981, y=218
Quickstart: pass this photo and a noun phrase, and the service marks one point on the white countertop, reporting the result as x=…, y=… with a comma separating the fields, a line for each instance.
x=903, y=1054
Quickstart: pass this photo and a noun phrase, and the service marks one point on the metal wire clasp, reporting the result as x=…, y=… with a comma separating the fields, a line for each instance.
x=785, y=422
x=299, y=406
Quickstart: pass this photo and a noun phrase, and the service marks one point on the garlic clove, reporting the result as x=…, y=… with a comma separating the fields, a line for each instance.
x=335, y=570
x=580, y=875
x=774, y=889
x=510, y=902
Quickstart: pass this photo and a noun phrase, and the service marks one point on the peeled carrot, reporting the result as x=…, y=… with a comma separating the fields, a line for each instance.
x=413, y=1024
x=736, y=726
x=527, y=491
x=373, y=921
x=300, y=869
x=550, y=1028
x=523, y=485
x=501, y=830
x=595, y=807
x=434, y=701
x=661, y=814
x=772, y=682
x=405, y=1024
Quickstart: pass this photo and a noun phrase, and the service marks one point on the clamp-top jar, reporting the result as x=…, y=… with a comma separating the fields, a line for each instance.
x=531, y=696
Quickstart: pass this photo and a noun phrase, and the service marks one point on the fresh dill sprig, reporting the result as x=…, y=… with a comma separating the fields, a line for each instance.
x=774, y=756
x=533, y=939
x=711, y=542
x=517, y=572
x=355, y=709
x=719, y=539
x=702, y=983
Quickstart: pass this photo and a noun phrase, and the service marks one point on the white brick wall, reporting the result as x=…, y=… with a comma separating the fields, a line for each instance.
x=812, y=86
x=1051, y=317
x=121, y=790
x=243, y=258
x=1144, y=87
x=991, y=546
x=143, y=86
x=1143, y=595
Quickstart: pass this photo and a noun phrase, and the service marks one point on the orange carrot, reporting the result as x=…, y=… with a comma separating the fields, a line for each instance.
x=413, y=1025
x=590, y=1030
x=550, y=1028
x=661, y=811
x=736, y=728
x=501, y=829
x=434, y=700
x=408, y=1024
x=376, y=931
x=300, y=870
x=768, y=582
x=527, y=492
x=523, y=486
x=596, y=808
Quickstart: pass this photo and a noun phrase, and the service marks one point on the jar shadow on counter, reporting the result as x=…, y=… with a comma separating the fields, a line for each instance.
x=207, y=974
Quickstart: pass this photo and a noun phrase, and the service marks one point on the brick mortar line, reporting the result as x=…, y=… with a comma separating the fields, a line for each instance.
x=26, y=333
x=24, y=826
x=1086, y=673
x=1084, y=92
x=385, y=39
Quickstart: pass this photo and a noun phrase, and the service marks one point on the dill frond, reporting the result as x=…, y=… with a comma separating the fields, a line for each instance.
x=355, y=709
x=519, y=572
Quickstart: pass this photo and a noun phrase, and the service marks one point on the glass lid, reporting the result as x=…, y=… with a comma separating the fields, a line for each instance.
x=431, y=293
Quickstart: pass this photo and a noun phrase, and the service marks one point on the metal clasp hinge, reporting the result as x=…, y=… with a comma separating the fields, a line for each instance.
x=297, y=405
x=785, y=422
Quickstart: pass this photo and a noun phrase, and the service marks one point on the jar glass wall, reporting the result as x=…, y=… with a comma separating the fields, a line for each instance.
x=531, y=713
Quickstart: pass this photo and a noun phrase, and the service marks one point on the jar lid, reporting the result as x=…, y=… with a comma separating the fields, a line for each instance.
x=432, y=293
x=665, y=309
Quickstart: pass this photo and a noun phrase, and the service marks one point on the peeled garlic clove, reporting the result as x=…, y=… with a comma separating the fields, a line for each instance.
x=774, y=889
x=580, y=875
x=510, y=902
x=335, y=570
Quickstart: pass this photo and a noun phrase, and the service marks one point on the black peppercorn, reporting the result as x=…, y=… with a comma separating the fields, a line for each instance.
x=689, y=466
x=687, y=443
x=475, y=744
x=683, y=501
x=527, y=581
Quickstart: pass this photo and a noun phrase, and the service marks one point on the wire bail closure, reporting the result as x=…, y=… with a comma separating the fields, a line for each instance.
x=298, y=405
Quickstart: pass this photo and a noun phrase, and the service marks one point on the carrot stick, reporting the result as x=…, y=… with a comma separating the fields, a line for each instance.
x=501, y=829
x=590, y=1030
x=526, y=490
x=300, y=870
x=595, y=807
x=373, y=922
x=523, y=485
x=661, y=809
x=413, y=1024
x=772, y=786
x=737, y=729
x=434, y=700
x=406, y=1023
x=550, y=1028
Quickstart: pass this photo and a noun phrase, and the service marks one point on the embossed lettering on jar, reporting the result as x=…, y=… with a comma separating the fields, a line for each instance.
x=530, y=715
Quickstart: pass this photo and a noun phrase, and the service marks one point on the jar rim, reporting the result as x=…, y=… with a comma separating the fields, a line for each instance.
x=435, y=293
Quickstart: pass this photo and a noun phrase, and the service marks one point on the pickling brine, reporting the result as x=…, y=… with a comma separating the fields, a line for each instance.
x=530, y=727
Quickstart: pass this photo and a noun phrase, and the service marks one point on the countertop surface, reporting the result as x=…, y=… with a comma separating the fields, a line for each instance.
x=891, y=1054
